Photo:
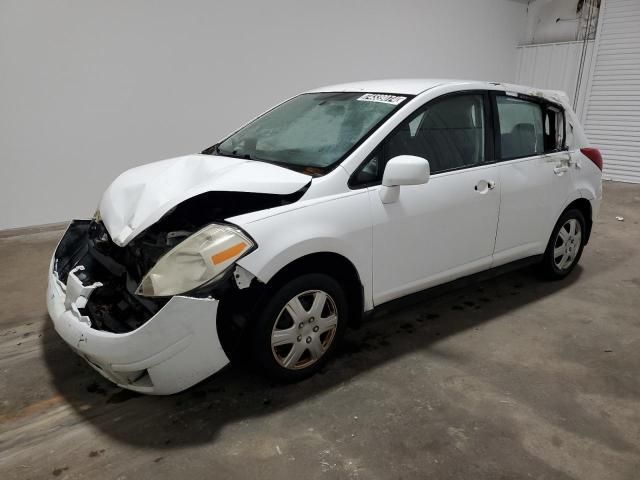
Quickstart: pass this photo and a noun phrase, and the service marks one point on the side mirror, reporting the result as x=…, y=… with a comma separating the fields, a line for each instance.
x=402, y=170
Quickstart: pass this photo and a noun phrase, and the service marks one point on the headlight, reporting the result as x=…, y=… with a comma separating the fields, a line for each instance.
x=199, y=259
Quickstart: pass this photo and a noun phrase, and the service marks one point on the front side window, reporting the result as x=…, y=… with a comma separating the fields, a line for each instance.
x=312, y=132
x=521, y=127
x=448, y=132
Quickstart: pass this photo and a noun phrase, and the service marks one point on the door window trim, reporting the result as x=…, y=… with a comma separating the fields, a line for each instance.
x=489, y=137
x=543, y=102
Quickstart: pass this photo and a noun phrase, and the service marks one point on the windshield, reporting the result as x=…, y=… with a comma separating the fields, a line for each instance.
x=313, y=131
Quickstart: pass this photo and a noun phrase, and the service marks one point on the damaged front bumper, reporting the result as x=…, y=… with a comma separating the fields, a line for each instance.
x=171, y=351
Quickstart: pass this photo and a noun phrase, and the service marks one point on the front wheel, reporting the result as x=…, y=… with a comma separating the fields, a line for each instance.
x=299, y=327
x=565, y=245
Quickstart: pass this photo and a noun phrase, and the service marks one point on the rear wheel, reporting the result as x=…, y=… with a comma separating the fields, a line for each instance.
x=565, y=245
x=300, y=326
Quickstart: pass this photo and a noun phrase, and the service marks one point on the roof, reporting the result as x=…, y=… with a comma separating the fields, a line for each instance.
x=408, y=86
x=415, y=86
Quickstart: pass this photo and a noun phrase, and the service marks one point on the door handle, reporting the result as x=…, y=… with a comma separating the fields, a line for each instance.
x=561, y=169
x=557, y=157
x=483, y=186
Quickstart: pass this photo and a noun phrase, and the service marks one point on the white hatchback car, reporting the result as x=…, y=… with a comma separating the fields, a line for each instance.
x=323, y=208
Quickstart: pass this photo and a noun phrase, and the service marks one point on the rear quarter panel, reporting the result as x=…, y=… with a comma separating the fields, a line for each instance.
x=587, y=177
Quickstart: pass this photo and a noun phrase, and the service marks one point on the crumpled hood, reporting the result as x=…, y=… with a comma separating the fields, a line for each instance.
x=139, y=197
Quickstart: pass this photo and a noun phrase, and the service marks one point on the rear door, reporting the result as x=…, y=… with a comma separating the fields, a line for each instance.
x=534, y=173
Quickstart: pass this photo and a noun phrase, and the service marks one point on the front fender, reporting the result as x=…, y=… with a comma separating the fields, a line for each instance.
x=340, y=225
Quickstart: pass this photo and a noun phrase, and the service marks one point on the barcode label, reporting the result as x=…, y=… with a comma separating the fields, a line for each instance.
x=381, y=98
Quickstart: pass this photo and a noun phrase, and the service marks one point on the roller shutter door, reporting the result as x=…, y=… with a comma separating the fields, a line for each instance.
x=613, y=110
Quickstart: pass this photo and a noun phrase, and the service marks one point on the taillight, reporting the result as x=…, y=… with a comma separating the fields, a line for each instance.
x=594, y=155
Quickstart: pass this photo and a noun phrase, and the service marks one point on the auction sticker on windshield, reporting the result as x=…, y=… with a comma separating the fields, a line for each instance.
x=381, y=98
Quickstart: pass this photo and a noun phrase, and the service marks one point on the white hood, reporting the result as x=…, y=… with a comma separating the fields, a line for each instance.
x=139, y=197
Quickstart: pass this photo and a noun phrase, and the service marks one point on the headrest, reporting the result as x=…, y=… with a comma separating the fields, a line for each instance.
x=454, y=113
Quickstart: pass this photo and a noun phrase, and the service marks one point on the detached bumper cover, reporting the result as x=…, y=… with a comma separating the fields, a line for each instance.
x=173, y=350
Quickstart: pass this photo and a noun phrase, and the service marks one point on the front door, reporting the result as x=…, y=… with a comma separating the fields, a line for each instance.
x=446, y=228
x=435, y=232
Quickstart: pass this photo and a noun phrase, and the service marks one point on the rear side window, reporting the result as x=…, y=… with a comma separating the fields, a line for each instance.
x=521, y=127
x=554, y=131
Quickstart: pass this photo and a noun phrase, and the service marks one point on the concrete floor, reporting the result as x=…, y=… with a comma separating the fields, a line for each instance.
x=509, y=378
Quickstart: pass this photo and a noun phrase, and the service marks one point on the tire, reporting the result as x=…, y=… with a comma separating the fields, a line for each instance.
x=292, y=339
x=565, y=245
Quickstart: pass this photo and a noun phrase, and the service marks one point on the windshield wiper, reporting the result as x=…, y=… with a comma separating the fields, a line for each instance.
x=215, y=150
x=243, y=156
x=212, y=150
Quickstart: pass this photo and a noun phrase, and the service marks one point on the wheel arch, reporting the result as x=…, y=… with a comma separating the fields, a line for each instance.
x=332, y=264
x=238, y=307
x=584, y=206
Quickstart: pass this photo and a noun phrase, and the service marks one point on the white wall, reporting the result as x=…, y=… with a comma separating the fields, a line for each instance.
x=553, y=21
x=89, y=88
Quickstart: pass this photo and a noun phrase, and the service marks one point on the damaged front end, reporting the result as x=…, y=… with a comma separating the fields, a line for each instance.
x=86, y=253
x=151, y=344
x=116, y=305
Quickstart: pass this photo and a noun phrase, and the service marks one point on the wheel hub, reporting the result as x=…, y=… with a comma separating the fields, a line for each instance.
x=308, y=330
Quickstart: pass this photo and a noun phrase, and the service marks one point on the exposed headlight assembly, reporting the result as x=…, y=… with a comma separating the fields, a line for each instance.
x=200, y=259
